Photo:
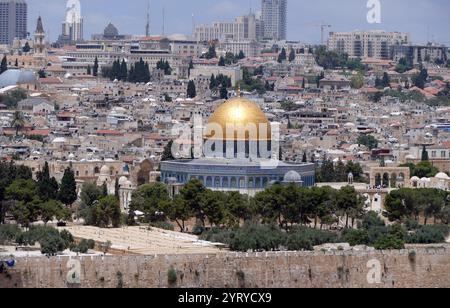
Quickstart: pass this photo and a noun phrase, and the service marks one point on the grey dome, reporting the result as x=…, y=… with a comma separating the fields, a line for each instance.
x=17, y=77
x=292, y=177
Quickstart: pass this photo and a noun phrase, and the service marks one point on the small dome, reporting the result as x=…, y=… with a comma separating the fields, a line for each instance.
x=128, y=184
x=442, y=176
x=292, y=177
x=123, y=180
x=71, y=156
x=104, y=170
x=425, y=180
x=14, y=77
x=415, y=179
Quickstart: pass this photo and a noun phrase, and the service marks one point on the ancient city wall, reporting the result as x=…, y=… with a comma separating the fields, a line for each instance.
x=419, y=268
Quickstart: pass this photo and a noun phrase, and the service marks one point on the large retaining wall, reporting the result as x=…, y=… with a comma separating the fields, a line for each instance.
x=425, y=267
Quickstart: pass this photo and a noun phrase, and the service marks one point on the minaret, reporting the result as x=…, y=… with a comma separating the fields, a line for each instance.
x=147, y=26
x=39, y=39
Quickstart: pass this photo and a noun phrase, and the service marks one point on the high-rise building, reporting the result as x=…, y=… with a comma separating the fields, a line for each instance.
x=366, y=44
x=72, y=27
x=242, y=28
x=274, y=19
x=13, y=20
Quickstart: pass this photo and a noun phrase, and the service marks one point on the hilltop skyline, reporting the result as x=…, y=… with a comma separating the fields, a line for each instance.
x=425, y=21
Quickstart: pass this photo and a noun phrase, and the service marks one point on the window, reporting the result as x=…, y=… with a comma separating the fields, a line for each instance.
x=443, y=154
x=433, y=154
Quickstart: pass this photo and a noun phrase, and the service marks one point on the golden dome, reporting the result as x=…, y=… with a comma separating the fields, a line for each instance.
x=242, y=115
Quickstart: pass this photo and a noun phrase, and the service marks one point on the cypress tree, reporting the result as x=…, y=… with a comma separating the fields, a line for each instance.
x=191, y=91
x=212, y=82
x=123, y=71
x=95, y=69
x=4, y=65
x=68, y=191
x=116, y=188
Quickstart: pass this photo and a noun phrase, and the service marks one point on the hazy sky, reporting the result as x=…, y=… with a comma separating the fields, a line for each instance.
x=422, y=18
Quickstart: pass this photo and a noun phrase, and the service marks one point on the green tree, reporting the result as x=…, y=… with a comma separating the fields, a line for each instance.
x=212, y=205
x=89, y=70
x=191, y=90
x=221, y=61
x=350, y=204
x=123, y=75
x=386, y=81
x=18, y=121
x=26, y=207
x=52, y=209
x=117, y=188
x=95, y=68
x=4, y=65
x=89, y=197
x=48, y=187
x=167, y=154
x=223, y=92
x=192, y=194
x=292, y=55
x=420, y=79
x=425, y=156
x=368, y=141
x=191, y=67
x=179, y=211
x=282, y=56
x=357, y=81
x=403, y=66
x=152, y=200
x=211, y=54
x=241, y=55
x=68, y=189
x=106, y=212
x=26, y=48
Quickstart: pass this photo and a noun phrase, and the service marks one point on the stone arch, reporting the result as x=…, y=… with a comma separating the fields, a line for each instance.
x=233, y=183
x=96, y=170
x=378, y=179
x=386, y=179
x=393, y=180
x=225, y=183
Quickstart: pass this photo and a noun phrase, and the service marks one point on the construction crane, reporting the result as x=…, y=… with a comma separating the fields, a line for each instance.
x=322, y=27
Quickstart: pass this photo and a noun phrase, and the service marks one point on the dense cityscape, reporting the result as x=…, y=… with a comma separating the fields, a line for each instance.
x=192, y=154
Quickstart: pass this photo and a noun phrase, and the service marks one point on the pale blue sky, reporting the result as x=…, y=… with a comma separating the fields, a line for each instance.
x=422, y=18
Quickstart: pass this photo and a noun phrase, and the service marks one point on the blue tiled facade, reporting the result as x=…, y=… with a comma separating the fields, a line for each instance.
x=229, y=176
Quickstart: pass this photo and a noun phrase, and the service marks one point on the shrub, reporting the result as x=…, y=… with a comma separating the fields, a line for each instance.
x=432, y=234
x=163, y=225
x=172, y=276
x=91, y=244
x=412, y=224
x=389, y=242
x=356, y=237
x=52, y=244
x=218, y=235
x=67, y=237
x=316, y=237
x=372, y=219
x=82, y=247
x=257, y=238
x=9, y=233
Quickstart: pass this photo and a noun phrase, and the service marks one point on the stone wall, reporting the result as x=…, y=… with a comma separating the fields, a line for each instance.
x=424, y=267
